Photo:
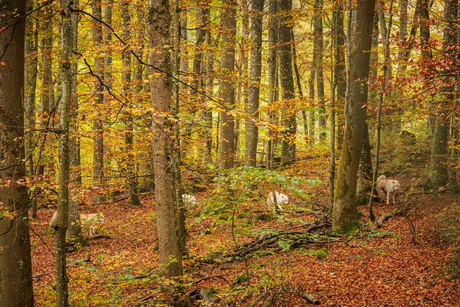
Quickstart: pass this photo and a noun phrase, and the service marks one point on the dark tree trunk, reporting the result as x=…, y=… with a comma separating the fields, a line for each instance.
x=98, y=129
x=272, y=75
x=227, y=88
x=252, y=132
x=288, y=148
x=318, y=50
x=345, y=214
x=15, y=256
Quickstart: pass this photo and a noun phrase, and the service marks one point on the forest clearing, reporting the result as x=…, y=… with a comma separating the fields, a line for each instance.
x=229, y=153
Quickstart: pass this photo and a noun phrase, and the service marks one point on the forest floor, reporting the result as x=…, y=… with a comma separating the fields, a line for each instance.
x=412, y=260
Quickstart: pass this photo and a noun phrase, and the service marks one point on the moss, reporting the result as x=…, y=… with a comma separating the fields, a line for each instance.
x=348, y=227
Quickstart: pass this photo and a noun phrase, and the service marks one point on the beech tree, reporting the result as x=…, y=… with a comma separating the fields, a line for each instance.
x=15, y=254
x=345, y=214
x=158, y=22
x=252, y=132
x=438, y=172
x=288, y=154
x=227, y=87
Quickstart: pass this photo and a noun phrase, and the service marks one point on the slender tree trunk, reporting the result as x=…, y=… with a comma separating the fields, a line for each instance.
x=227, y=88
x=207, y=115
x=319, y=67
x=44, y=108
x=98, y=128
x=252, y=132
x=311, y=96
x=438, y=172
x=62, y=293
x=340, y=75
x=272, y=75
x=288, y=154
x=74, y=228
x=386, y=63
x=345, y=214
x=158, y=22
x=31, y=71
x=402, y=41
x=15, y=256
x=31, y=48
x=177, y=139
x=373, y=74
x=131, y=184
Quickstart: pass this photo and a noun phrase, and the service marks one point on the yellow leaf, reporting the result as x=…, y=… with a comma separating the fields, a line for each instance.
x=3, y=63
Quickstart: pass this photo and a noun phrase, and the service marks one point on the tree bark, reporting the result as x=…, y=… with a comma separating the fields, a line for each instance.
x=131, y=184
x=272, y=75
x=98, y=128
x=318, y=50
x=62, y=293
x=158, y=22
x=345, y=214
x=438, y=172
x=227, y=88
x=74, y=228
x=288, y=148
x=15, y=256
x=252, y=131
x=340, y=75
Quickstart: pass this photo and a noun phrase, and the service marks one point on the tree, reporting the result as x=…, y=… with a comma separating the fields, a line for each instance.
x=272, y=74
x=15, y=257
x=252, y=131
x=345, y=214
x=98, y=129
x=62, y=292
x=128, y=118
x=74, y=228
x=438, y=172
x=158, y=22
x=288, y=149
x=227, y=88
x=318, y=50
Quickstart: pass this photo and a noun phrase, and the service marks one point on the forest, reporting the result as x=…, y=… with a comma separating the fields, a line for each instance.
x=229, y=153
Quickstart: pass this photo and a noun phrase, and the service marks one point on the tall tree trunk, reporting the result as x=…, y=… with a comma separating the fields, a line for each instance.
x=288, y=153
x=74, y=228
x=340, y=74
x=177, y=131
x=402, y=41
x=31, y=48
x=98, y=128
x=438, y=172
x=318, y=46
x=62, y=293
x=345, y=214
x=15, y=256
x=373, y=74
x=131, y=184
x=227, y=88
x=158, y=22
x=252, y=132
x=31, y=65
x=207, y=115
x=272, y=75
x=44, y=108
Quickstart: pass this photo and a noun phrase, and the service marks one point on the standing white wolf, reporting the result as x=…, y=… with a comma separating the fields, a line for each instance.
x=389, y=186
x=281, y=199
x=87, y=221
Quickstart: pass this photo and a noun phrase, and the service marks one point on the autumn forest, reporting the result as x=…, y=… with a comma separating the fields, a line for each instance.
x=229, y=153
